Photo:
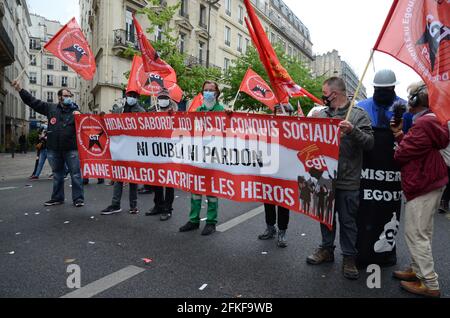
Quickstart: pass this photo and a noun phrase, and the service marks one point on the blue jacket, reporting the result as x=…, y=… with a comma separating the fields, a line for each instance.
x=372, y=108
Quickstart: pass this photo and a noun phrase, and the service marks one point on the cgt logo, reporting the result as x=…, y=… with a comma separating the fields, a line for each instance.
x=317, y=163
x=92, y=137
x=259, y=89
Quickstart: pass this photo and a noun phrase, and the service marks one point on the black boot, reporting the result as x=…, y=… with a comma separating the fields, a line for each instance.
x=189, y=226
x=269, y=234
x=282, y=239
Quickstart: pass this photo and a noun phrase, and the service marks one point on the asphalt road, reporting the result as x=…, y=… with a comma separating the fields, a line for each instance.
x=230, y=264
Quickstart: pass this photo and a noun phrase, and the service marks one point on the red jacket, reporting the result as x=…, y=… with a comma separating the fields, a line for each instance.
x=423, y=168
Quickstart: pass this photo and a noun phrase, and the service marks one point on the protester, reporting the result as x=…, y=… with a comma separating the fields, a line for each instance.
x=164, y=201
x=424, y=177
x=211, y=93
x=41, y=148
x=61, y=142
x=357, y=136
x=132, y=105
x=271, y=211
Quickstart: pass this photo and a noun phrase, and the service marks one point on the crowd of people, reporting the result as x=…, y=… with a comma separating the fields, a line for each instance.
x=421, y=153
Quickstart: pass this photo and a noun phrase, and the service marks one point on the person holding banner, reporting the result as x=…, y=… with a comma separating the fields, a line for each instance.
x=271, y=211
x=357, y=136
x=132, y=105
x=61, y=142
x=211, y=93
x=424, y=178
x=163, y=203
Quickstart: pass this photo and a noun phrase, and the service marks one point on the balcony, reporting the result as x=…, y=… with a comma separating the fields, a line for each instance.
x=6, y=48
x=123, y=40
x=192, y=61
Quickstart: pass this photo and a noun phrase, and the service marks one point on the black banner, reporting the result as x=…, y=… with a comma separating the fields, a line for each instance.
x=380, y=204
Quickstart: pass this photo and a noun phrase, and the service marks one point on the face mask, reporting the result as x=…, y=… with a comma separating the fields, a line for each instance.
x=131, y=101
x=326, y=100
x=384, y=97
x=209, y=97
x=163, y=103
x=67, y=101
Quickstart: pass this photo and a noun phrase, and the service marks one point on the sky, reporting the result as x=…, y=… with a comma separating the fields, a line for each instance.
x=349, y=26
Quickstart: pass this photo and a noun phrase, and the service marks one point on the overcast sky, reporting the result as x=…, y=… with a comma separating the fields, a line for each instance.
x=349, y=26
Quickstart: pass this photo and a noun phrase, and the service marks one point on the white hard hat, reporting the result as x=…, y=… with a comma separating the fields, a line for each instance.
x=385, y=78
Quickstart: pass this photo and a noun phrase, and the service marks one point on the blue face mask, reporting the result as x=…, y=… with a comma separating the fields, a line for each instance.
x=67, y=101
x=131, y=101
x=209, y=97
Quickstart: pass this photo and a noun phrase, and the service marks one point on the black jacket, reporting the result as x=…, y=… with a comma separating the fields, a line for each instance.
x=61, y=133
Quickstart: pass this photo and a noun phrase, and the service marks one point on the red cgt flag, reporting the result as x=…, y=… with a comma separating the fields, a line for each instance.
x=71, y=47
x=150, y=84
x=417, y=34
x=256, y=87
x=152, y=61
x=196, y=103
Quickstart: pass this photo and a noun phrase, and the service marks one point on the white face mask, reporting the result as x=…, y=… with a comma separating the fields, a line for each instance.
x=163, y=103
x=131, y=101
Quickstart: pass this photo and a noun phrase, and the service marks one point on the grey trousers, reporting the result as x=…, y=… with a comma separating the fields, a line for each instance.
x=117, y=195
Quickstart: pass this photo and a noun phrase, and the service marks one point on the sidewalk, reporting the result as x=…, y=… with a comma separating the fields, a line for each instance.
x=20, y=167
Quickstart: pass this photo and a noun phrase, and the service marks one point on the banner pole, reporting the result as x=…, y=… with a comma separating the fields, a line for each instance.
x=359, y=86
x=235, y=100
x=19, y=77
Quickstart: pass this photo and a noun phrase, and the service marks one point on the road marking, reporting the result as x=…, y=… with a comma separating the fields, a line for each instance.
x=105, y=283
x=203, y=287
x=240, y=219
x=8, y=188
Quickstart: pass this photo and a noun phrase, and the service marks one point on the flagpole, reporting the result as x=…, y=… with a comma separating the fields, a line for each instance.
x=19, y=77
x=235, y=99
x=359, y=86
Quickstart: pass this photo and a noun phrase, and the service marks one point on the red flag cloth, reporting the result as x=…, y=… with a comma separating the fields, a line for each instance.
x=300, y=110
x=196, y=103
x=417, y=34
x=151, y=84
x=71, y=47
x=257, y=88
x=151, y=59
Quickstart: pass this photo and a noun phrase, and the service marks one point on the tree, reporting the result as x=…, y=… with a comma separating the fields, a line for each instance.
x=190, y=78
x=298, y=71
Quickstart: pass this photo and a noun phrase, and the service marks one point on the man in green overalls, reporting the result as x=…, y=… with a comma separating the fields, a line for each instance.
x=211, y=93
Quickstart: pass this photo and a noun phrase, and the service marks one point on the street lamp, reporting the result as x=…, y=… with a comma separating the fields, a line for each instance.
x=210, y=3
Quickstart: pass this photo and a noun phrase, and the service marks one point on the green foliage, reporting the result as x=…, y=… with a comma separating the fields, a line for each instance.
x=298, y=71
x=33, y=137
x=191, y=78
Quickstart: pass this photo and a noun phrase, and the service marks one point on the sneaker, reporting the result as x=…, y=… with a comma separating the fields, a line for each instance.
x=78, y=203
x=282, y=239
x=154, y=211
x=189, y=226
x=134, y=211
x=209, y=229
x=269, y=234
x=419, y=288
x=145, y=191
x=53, y=202
x=349, y=268
x=111, y=210
x=165, y=216
x=85, y=181
x=321, y=255
x=34, y=178
x=406, y=275
x=101, y=181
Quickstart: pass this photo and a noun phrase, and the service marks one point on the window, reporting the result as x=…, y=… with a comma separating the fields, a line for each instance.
x=227, y=36
x=201, y=52
x=273, y=38
x=241, y=14
x=290, y=51
x=247, y=44
x=64, y=67
x=226, y=64
x=202, y=21
x=64, y=81
x=49, y=97
x=159, y=31
x=50, y=64
x=32, y=114
x=33, y=78
x=33, y=60
x=184, y=9
x=129, y=25
x=182, y=42
x=35, y=44
x=239, y=44
x=228, y=7
x=49, y=80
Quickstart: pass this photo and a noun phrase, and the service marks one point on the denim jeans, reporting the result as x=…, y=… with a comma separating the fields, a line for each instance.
x=57, y=160
x=117, y=195
x=42, y=159
x=347, y=204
